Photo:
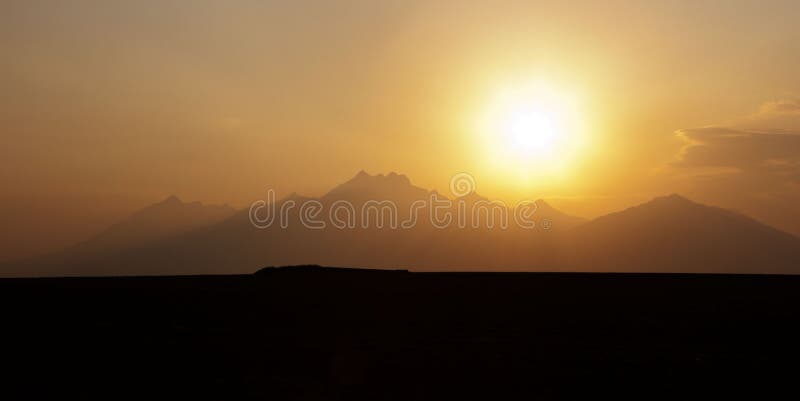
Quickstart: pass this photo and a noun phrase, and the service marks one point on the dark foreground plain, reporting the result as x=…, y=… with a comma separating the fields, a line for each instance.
x=308, y=333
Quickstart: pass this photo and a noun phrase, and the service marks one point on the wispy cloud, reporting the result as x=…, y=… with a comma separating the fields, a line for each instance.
x=781, y=106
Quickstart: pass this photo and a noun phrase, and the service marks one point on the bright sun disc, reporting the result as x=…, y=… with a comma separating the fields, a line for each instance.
x=531, y=130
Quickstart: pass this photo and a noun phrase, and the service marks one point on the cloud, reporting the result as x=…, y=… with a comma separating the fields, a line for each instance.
x=775, y=152
x=781, y=113
x=752, y=165
x=782, y=106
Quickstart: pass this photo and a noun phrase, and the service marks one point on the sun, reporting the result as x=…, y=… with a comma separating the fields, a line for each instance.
x=531, y=130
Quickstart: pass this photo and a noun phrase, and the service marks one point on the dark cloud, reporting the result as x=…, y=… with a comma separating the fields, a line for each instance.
x=775, y=153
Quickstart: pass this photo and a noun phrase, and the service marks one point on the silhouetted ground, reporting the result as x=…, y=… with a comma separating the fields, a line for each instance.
x=310, y=333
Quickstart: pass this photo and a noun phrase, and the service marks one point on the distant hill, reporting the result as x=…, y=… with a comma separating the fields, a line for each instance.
x=669, y=234
x=674, y=234
x=556, y=218
x=146, y=227
x=165, y=219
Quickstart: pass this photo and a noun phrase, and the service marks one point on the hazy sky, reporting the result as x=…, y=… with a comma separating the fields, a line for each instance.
x=107, y=106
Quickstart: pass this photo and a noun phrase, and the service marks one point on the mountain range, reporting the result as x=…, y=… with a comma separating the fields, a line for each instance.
x=666, y=234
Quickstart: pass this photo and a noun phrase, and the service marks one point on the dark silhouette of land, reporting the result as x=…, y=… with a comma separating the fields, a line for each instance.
x=312, y=333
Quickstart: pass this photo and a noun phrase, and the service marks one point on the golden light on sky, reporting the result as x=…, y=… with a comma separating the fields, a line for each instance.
x=532, y=132
x=109, y=106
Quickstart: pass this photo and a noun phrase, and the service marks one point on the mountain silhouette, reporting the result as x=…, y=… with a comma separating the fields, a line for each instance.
x=674, y=234
x=557, y=219
x=145, y=227
x=364, y=187
x=158, y=221
x=669, y=234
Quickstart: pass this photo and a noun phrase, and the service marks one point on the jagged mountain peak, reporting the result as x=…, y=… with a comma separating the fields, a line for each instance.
x=172, y=199
x=364, y=177
x=379, y=186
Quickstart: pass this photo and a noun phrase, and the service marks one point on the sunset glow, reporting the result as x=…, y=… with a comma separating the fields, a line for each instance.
x=532, y=131
x=400, y=200
x=596, y=107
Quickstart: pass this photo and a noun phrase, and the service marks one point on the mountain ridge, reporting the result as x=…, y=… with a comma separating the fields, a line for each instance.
x=673, y=233
x=619, y=241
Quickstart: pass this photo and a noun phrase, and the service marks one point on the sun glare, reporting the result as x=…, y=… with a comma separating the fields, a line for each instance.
x=531, y=131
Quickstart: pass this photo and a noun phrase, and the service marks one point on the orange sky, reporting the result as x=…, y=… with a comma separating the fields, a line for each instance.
x=108, y=107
